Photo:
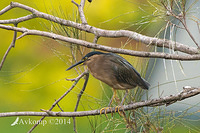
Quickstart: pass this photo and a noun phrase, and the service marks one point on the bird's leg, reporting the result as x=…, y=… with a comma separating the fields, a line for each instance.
x=118, y=107
x=126, y=93
x=113, y=97
x=111, y=100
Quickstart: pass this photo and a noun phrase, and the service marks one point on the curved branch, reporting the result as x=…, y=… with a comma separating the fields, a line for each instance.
x=99, y=32
x=167, y=100
x=101, y=47
x=12, y=45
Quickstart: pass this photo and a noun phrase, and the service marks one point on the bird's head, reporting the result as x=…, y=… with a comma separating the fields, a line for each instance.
x=85, y=58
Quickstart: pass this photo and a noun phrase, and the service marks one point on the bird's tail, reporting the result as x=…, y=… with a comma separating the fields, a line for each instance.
x=145, y=85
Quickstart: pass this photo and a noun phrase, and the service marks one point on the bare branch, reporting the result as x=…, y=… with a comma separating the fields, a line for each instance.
x=189, y=33
x=59, y=106
x=79, y=98
x=95, y=39
x=75, y=3
x=12, y=45
x=82, y=3
x=81, y=12
x=100, y=32
x=154, y=102
x=9, y=7
x=102, y=47
x=18, y=20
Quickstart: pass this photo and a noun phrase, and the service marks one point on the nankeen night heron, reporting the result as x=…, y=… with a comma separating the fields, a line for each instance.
x=113, y=70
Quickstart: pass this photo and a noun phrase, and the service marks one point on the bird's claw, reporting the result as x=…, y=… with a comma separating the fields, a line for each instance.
x=105, y=111
x=117, y=109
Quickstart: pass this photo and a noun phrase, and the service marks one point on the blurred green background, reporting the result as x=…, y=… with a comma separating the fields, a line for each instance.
x=34, y=73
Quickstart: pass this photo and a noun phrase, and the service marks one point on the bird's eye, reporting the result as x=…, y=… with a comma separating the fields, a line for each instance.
x=85, y=58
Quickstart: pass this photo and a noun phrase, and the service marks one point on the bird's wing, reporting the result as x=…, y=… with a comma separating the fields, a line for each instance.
x=126, y=73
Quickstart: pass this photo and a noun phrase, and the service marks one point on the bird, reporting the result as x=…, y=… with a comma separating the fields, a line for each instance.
x=113, y=70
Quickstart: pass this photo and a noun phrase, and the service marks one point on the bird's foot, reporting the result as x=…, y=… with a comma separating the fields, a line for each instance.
x=117, y=109
x=105, y=111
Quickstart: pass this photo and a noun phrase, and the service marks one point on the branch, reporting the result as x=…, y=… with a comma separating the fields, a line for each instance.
x=80, y=9
x=79, y=98
x=57, y=101
x=12, y=45
x=101, y=47
x=182, y=18
x=97, y=31
x=167, y=100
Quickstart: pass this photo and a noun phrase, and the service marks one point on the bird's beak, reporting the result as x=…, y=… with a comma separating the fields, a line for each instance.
x=80, y=62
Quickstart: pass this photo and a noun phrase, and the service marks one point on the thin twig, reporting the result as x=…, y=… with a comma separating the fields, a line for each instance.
x=182, y=18
x=12, y=45
x=57, y=101
x=81, y=12
x=59, y=106
x=78, y=100
x=75, y=3
x=95, y=39
x=189, y=33
x=4, y=57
